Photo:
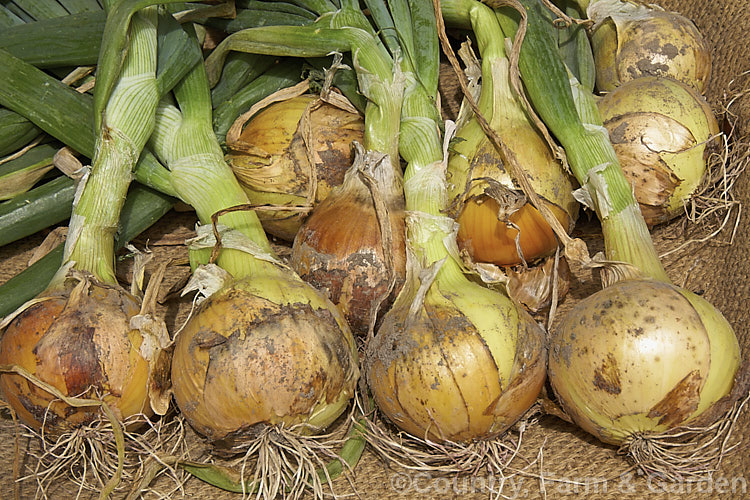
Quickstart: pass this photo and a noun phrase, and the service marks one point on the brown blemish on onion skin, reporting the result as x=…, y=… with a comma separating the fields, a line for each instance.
x=680, y=402
x=607, y=376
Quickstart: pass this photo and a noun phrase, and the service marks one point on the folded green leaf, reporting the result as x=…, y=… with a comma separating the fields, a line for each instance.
x=39, y=208
x=20, y=174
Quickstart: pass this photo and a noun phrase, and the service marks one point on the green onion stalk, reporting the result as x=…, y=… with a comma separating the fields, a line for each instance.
x=85, y=335
x=351, y=245
x=641, y=357
x=263, y=352
x=453, y=361
x=497, y=223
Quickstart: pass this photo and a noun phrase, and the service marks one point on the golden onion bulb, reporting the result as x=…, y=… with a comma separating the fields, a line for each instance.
x=464, y=366
x=660, y=129
x=631, y=40
x=83, y=345
x=270, y=158
x=492, y=212
x=341, y=248
x=266, y=350
x=641, y=357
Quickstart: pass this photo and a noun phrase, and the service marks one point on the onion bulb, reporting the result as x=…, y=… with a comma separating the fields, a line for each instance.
x=660, y=129
x=454, y=360
x=83, y=344
x=349, y=250
x=265, y=350
x=270, y=158
x=639, y=357
x=630, y=40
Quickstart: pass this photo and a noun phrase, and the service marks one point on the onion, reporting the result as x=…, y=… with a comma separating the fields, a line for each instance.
x=497, y=224
x=352, y=246
x=85, y=335
x=640, y=357
x=83, y=345
x=272, y=162
x=268, y=350
x=631, y=40
x=660, y=129
x=454, y=360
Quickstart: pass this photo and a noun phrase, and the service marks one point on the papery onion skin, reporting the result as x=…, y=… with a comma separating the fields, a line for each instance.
x=253, y=354
x=661, y=130
x=82, y=345
x=271, y=162
x=659, y=43
x=641, y=357
x=440, y=376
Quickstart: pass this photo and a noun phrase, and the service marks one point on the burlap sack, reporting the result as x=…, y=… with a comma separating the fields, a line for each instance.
x=555, y=459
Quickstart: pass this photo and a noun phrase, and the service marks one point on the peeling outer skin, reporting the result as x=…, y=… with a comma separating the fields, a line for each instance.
x=423, y=227
x=230, y=238
x=654, y=182
x=533, y=287
x=434, y=375
x=467, y=175
x=631, y=40
x=81, y=344
x=206, y=280
x=245, y=360
x=594, y=193
x=661, y=130
x=638, y=358
x=491, y=207
x=274, y=167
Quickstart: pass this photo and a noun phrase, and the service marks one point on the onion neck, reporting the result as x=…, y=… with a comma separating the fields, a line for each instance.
x=128, y=122
x=185, y=139
x=428, y=228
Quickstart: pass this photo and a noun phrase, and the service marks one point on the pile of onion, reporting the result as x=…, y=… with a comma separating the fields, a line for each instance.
x=292, y=153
